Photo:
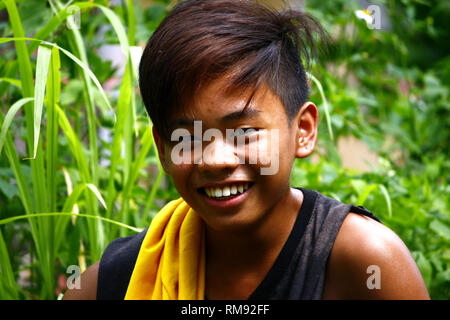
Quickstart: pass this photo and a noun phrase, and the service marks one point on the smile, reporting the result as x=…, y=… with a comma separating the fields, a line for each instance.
x=228, y=191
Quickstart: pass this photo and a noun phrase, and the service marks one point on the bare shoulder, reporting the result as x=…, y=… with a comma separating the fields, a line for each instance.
x=88, y=285
x=369, y=261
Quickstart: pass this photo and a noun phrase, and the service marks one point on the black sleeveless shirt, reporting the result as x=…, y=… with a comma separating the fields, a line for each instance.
x=297, y=273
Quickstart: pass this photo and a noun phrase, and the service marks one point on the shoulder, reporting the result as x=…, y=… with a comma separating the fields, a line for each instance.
x=369, y=261
x=116, y=266
x=88, y=285
x=123, y=249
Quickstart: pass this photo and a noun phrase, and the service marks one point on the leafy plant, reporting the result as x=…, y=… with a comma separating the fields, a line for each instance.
x=64, y=158
x=395, y=100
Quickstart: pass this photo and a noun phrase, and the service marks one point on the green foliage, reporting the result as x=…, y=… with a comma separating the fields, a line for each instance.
x=390, y=89
x=60, y=205
x=66, y=190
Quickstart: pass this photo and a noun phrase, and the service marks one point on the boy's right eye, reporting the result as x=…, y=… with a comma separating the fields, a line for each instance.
x=245, y=132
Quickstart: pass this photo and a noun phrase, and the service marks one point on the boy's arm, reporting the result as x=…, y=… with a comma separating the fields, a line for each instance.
x=88, y=285
x=369, y=261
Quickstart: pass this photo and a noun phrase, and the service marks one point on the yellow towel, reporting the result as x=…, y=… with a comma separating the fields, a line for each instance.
x=171, y=261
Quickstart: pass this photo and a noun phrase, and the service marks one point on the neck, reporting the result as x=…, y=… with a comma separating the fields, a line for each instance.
x=259, y=244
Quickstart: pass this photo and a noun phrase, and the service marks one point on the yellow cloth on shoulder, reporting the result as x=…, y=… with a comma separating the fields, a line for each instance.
x=171, y=262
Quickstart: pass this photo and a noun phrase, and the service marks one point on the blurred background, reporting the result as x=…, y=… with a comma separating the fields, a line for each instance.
x=78, y=166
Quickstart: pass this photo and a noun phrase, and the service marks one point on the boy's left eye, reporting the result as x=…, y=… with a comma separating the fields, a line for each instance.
x=244, y=131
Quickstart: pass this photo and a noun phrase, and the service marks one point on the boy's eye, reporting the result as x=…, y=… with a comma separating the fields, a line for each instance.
x=244, y=132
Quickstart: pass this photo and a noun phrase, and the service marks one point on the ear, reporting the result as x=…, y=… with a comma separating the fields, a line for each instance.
x=306, y=123
x=161, y=149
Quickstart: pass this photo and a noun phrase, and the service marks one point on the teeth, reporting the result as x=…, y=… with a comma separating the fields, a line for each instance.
x=226, y=191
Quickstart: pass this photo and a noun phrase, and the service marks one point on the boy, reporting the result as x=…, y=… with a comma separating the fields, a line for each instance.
x=224, y=85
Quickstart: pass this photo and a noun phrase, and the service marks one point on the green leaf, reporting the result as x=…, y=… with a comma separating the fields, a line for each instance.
x=118, y=27
x=387, y=198
x=42, y=65
x=115, y=23
x=97, y=194
x=136, y=55
x=365, y=193
x=9, y=118
x=440, y=228
x=123, y=105
x=26, y=78
x=443, y=276
x=73, y=58
x=325, y=104
x=8, y=189
x=12, y=81
x=73, y=198
x=8, y=288
x=52, y=100
x=84, y=215
x=424, y=266
x=75, y=145
x=359, y=186
x=16, y=168
x=446, y=254
x=88, y=71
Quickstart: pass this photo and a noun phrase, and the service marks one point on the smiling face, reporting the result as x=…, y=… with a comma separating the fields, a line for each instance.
x=225, y=186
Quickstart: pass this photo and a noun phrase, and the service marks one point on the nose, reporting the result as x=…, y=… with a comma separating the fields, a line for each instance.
x=218, y=155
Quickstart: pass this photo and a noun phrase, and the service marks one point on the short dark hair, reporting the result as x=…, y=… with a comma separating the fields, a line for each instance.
x=201, y=40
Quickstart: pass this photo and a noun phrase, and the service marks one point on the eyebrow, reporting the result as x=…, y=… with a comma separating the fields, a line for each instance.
x=245, y=113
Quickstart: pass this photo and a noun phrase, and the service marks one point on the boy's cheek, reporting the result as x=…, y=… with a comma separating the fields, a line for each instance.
x=177, y=168
x=174, y=164
x=263, y=152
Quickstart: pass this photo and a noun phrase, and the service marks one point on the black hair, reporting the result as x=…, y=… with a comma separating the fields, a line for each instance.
x=201, y=40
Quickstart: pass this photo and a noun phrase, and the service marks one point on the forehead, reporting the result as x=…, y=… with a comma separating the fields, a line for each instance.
x=213, y=102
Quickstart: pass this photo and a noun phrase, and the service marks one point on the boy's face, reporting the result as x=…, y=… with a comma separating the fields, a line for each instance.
x=230, y=177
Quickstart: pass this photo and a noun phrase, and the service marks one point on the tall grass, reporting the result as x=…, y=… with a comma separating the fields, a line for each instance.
x=104, y=202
